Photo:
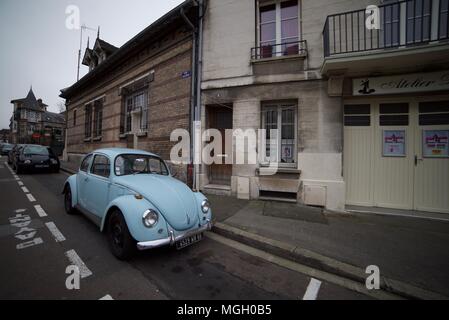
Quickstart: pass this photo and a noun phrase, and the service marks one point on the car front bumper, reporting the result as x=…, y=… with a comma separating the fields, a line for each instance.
x=172, y=239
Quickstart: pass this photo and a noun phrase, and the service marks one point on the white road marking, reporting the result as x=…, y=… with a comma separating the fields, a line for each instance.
x=106, y=297
x=30, y=197
x=20, y=183
x=59, y=237
x=20, y=210
x=76, y=260
x=24, y=189
x=312, y=290
x=41, y=212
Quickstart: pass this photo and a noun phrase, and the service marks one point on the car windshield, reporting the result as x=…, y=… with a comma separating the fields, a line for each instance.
x=36, y=150
x=129, y=164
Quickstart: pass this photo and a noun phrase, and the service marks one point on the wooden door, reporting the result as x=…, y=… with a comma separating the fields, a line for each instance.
x=220, y=118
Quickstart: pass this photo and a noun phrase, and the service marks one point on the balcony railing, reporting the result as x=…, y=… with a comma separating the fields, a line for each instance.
x=402, y=23
x=283, y=49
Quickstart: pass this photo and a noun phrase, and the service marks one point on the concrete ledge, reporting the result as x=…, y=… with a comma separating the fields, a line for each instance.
x=320, y=262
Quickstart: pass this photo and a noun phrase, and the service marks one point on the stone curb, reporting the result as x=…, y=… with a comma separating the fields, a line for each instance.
x=320, y=262
x=67, y=170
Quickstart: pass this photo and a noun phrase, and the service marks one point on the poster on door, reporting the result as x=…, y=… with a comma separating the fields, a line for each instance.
x=436, y=143
x=394, y=143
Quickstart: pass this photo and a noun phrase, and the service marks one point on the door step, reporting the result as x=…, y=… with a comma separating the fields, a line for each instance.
x=278, y=199
x=217, y=189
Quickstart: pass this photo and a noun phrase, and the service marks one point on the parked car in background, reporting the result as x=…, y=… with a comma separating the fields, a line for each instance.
x=133, y=198
x=29, y=158
x=5, y=148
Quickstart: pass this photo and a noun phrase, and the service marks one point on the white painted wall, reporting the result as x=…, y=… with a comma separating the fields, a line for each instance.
x=230, y=33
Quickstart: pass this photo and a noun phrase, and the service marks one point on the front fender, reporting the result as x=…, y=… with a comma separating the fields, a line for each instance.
x=71, y=182
x=132, y=210
x=204, y=218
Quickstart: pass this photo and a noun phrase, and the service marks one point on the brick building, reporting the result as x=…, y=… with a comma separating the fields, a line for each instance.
x=136, y=95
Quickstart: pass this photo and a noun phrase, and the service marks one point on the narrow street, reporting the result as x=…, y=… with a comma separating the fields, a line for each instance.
x=208, y=270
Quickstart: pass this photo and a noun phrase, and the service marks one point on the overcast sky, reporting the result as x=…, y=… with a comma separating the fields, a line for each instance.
x=37, y=49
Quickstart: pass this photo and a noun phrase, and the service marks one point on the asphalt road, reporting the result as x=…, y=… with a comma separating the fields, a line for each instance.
x=34, y=259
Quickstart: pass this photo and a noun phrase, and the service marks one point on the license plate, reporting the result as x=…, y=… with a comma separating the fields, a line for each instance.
x=42, y=166
x=181, y=244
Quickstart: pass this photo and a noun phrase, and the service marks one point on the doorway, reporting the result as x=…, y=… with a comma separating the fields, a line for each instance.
x=220, y=118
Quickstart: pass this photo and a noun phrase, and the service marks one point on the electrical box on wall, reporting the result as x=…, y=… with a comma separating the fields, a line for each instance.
x=315, y=195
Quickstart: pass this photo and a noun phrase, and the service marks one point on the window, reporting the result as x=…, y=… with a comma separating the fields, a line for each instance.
x=85, y=164
x=101, y=166
x=74, y=117
x=136, y=102
x=443, y=27
x=434, y=113
x=128, y=164
x=357, y=115
x=283, y=118
x=36, y=150
x=88, y=122
x=98, y=118
x=278, y=28
x=418, y=20
x=390, y=17
x=394, y=114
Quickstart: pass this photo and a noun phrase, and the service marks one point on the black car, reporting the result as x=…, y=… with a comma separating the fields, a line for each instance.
x=35, y=158
x=6, y=148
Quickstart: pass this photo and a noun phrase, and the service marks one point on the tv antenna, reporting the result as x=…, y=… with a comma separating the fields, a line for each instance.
x=83, y=27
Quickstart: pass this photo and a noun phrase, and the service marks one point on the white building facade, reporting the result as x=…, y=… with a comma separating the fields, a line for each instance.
x=362, y=113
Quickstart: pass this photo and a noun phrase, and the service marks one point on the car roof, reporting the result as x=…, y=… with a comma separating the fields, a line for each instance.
x=113, y=152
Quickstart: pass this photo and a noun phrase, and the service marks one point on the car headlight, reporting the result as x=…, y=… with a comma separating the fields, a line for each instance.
x=205, y=206
x=27, y=162
x=54, y=161
x=150, y=218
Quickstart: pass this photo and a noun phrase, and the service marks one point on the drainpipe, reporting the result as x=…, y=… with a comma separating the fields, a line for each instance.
x=199, y=79
x=193, y=87
x=195, y=104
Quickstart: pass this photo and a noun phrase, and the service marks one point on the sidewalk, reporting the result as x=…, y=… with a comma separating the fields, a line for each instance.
x=69, y=167
x=409, y=250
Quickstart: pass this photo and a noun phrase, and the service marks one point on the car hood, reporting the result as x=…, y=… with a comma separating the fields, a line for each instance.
x=174, y=200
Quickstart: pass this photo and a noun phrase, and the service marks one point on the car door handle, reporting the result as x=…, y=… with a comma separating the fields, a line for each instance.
x=86, y=179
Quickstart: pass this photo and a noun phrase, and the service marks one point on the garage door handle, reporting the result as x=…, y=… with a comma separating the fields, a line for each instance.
x=416, y=160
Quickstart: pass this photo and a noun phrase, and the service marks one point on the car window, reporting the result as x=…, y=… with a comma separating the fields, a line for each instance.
x=128, y=164
x=101, y=166
x=85, y=164
x=35, y=150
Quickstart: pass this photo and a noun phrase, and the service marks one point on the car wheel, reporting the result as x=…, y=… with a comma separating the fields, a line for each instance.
x=68, y=201
x=18, y=169
x=120, y=240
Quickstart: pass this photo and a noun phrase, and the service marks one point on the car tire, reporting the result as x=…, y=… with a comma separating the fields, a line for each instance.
x=18, y=169
x=121, y=243
x=69, y=209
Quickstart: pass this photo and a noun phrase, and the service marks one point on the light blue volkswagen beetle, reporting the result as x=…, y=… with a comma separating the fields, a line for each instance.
x=132, y=196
